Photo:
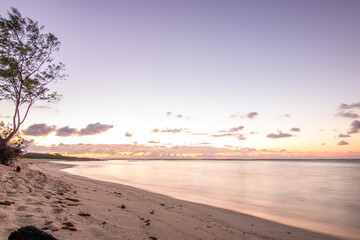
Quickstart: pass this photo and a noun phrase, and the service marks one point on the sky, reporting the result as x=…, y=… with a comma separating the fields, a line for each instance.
x=199, y=79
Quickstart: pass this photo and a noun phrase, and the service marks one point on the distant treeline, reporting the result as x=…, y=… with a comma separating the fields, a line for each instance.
x=54, y=156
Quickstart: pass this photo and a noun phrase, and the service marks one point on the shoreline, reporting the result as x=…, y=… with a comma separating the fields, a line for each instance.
x=121, y=212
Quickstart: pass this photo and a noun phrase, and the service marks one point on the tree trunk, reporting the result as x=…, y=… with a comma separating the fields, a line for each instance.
x=9, y=137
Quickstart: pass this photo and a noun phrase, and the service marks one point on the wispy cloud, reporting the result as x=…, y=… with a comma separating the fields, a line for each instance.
x=202, y=143
x=153, y=142
x=6, y=116
x=279, y=135
x=234, y=115
x=42, y=107
x=295, y=129
x=140, y=151
x=39, y=130
x=224, y=135
x=350, y=106
x=200, y=134
x=343, y=135
x=156, y=130
x=250, y=115
x=236, y=135
x=234, y=129
x=342, y=142
x=177, y=115
x=127, y=134
x=347, y=114
x=285, y=115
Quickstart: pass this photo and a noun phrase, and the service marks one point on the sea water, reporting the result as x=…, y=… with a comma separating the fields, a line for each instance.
x=322, y=196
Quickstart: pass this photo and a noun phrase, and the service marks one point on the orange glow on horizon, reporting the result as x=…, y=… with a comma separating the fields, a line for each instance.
x=221, y=155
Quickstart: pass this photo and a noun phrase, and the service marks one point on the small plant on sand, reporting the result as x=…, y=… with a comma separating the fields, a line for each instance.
x=14, y=148
x=26, y=69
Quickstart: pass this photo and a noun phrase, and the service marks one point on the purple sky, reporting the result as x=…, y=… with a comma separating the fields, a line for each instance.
x=131, y=62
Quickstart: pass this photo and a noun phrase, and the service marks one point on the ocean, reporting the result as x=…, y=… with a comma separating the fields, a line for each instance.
x=319, y=195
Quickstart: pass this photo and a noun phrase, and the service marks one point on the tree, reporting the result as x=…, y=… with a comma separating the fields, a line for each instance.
x=26, y=66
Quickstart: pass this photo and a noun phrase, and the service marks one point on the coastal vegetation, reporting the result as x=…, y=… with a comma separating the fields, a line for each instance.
x=56, y=156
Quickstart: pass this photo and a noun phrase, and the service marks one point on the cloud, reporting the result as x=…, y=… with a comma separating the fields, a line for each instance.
x=285, y=115
x=141, y=151
x=153, y=142
x=166, y=151
x=39, y=130
x=44, y=130
x=250, y=115
x=66, y=132
x=156, y=130
x=42, y=107
x=234, y=115
x=295, y=129
x=241, y=137
x=223, y=135
x=6, y=116
x=355, y=127
x=347, y=114
x=177, y=115
x=234, y=129
x=127, y=134
x=343, y=135
x=279, y=135
x=342, y=142
x=93, y=129
x=236, y=135
x=350, y=106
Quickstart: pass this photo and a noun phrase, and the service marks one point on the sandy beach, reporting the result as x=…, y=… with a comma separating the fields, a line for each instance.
x=73, y=207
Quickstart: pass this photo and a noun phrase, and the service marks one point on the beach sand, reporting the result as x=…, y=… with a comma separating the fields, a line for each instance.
x=45, y=197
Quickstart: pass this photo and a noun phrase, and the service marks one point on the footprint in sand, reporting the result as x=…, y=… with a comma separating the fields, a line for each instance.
x=34, y=201
x=21, y=208
x=11, y=192
x=38, y=210
x=3, y=215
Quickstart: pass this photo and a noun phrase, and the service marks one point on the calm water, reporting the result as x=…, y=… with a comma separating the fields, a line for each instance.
x=321, y=196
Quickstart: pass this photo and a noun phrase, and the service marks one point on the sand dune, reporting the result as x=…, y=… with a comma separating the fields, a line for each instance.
x=72, y=207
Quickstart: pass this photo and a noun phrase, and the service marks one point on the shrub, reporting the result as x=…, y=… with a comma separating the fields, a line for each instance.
x=13, y=149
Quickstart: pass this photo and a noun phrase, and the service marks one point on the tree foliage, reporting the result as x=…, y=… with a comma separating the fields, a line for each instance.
x=26, y=66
